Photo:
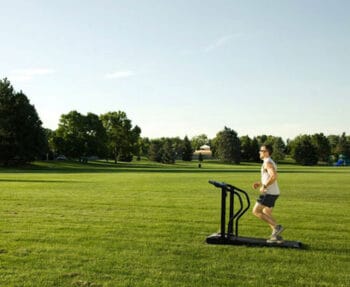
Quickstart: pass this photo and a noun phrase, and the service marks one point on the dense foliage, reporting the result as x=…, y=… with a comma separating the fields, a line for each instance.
x=122, y=138
x=304, y=151
x=22, y=137
x=167, y=150
x=187, y=150
x=80, y=136
x=112, y=135
x=227, y=146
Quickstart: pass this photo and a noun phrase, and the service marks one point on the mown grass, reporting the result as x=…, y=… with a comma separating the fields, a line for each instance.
x=145, y=224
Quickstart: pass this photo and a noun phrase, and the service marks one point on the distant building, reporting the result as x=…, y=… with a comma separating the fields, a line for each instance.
x=204, y=150
x=205, y=147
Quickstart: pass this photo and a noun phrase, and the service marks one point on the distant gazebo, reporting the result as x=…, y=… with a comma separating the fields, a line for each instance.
x=204, y=147
x=204, y=150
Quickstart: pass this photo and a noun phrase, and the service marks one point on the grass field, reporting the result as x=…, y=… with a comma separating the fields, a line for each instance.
x=145, y=224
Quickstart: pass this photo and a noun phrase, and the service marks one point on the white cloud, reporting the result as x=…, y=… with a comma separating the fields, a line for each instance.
x=29, y=74
x=119, y=74
x=219, y=42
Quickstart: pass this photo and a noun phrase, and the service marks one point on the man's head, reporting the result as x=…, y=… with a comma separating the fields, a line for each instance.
x=265, y=151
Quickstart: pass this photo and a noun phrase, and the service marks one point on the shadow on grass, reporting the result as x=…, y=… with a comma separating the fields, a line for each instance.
x=38, y=181
x=122, y=167
x=151, y=167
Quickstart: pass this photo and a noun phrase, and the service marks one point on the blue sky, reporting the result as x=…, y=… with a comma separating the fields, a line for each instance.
x=184, y=67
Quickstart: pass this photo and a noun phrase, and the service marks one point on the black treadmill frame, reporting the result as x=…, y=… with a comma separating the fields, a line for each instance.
x=231, y=237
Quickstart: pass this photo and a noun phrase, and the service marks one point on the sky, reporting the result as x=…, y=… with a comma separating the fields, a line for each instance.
x=184, y=67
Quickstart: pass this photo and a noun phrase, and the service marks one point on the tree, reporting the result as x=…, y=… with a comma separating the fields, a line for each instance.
x=227, y=146
x=168, y=152
x=95, y=136
x=255, y=148
x=50, y=134
x=304, y=151
x=22, y=137
x=144, y=146
x=187, y=150
x=177, y=145
x=155, y=150
x=278, y=147
x=246, y=148
x=263, y=139
x=70, y=135
x=333, y=141
x=343, y=146
x=136, y=142
x=323, y=146
x=249, y=149
x=122, y=139
x=132, y=147
x=80, y=136
x=162, y=150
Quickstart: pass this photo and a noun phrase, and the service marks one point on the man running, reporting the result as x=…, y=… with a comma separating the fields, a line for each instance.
x=269, y=193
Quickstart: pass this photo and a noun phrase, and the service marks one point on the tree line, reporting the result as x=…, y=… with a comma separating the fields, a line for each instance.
x=112, y=136
x=108, y=136
x=304, y=149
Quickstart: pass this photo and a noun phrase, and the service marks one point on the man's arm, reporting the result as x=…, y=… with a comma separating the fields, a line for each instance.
x=272, y=173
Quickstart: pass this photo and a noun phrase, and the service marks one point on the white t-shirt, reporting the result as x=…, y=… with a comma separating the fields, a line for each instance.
x=273, y=188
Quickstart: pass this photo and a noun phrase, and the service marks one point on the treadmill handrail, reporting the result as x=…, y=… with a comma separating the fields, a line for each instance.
x=225, y=187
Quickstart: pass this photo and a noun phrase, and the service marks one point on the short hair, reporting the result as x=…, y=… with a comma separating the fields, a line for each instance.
x=268, y=148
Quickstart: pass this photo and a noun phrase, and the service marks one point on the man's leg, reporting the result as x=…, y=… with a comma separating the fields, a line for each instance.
x=263, y=212
x=268, y=212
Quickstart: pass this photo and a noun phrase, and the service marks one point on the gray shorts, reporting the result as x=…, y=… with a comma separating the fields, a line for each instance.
x=267, y=199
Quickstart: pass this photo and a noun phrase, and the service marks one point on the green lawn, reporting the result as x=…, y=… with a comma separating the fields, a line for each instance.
x=145, y=224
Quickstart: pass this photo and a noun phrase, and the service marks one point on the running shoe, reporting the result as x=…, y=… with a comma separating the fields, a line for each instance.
x=275, y=239
x=277, y=231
